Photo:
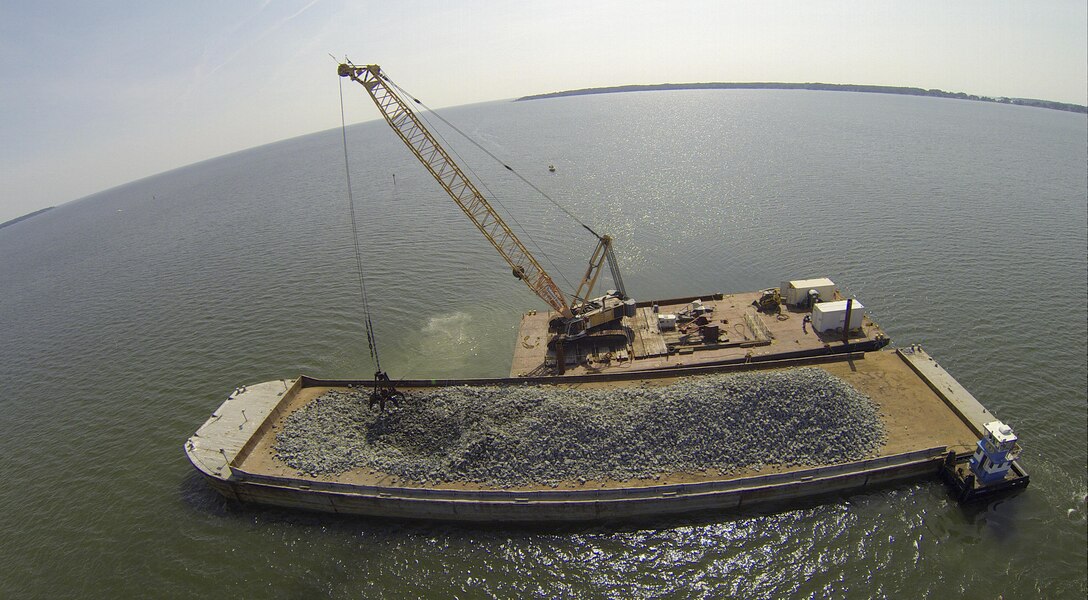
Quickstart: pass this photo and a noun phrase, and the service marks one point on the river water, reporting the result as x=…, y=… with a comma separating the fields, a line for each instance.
x=126, y=317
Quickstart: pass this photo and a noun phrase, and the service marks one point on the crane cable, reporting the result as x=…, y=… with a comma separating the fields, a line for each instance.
x=370, y=340
x=493, y=198
x=495, y=158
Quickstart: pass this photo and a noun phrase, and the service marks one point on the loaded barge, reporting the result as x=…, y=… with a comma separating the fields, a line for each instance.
x=934, y=428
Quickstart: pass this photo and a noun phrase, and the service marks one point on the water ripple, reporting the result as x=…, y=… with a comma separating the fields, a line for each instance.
x=128, y=316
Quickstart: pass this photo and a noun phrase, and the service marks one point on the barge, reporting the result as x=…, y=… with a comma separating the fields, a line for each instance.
x=933, y=428
x=712, y=329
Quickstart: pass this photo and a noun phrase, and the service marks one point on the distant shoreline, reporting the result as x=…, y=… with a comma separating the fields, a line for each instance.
x=24, y=217
x=825, y=87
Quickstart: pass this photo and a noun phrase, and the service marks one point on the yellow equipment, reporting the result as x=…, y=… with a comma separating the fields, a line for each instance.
x=770, y=301
x=580, y=313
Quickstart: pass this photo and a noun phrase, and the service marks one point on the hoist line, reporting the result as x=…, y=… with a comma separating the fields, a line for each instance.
x=370, y=339
x=493, y=197
x=495, y=158
x=505, y=166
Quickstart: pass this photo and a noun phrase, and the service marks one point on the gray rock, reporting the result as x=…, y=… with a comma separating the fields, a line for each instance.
x=504, y=436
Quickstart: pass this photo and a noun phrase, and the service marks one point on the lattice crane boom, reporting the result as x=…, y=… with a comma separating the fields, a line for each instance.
x=399, y=115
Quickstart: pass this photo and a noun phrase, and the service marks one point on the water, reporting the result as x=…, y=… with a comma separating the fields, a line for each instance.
x=126, y=318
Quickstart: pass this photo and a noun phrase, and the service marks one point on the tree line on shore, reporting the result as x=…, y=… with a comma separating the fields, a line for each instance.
x=834, y=87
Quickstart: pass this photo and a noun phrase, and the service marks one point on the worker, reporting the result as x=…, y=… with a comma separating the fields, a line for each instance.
x=805, y=322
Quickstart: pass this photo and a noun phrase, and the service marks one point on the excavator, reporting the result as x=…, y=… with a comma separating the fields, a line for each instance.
x=577, y=316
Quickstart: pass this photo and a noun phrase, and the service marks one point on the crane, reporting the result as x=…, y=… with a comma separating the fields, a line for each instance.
x=579, y=314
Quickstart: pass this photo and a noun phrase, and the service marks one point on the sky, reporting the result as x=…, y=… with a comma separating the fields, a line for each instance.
x=97, y=94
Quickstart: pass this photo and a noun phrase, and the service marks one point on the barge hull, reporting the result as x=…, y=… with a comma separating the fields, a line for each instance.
x=582, y=506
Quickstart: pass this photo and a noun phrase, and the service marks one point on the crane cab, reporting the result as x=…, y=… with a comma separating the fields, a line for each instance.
x=596, y=314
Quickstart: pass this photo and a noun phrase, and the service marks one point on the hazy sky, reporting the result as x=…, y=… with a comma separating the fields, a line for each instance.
x=96, y=94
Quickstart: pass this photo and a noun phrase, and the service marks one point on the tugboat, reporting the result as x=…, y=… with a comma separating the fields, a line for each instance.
x=992, y=468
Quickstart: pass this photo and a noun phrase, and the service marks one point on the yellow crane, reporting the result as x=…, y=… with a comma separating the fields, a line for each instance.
x=579, y=313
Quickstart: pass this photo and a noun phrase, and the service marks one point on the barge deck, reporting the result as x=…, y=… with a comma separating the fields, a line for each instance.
x=928, y=418
x=740, y=333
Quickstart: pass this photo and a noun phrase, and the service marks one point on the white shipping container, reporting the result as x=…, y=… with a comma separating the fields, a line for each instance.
x=796, y=292
x=828, y=316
